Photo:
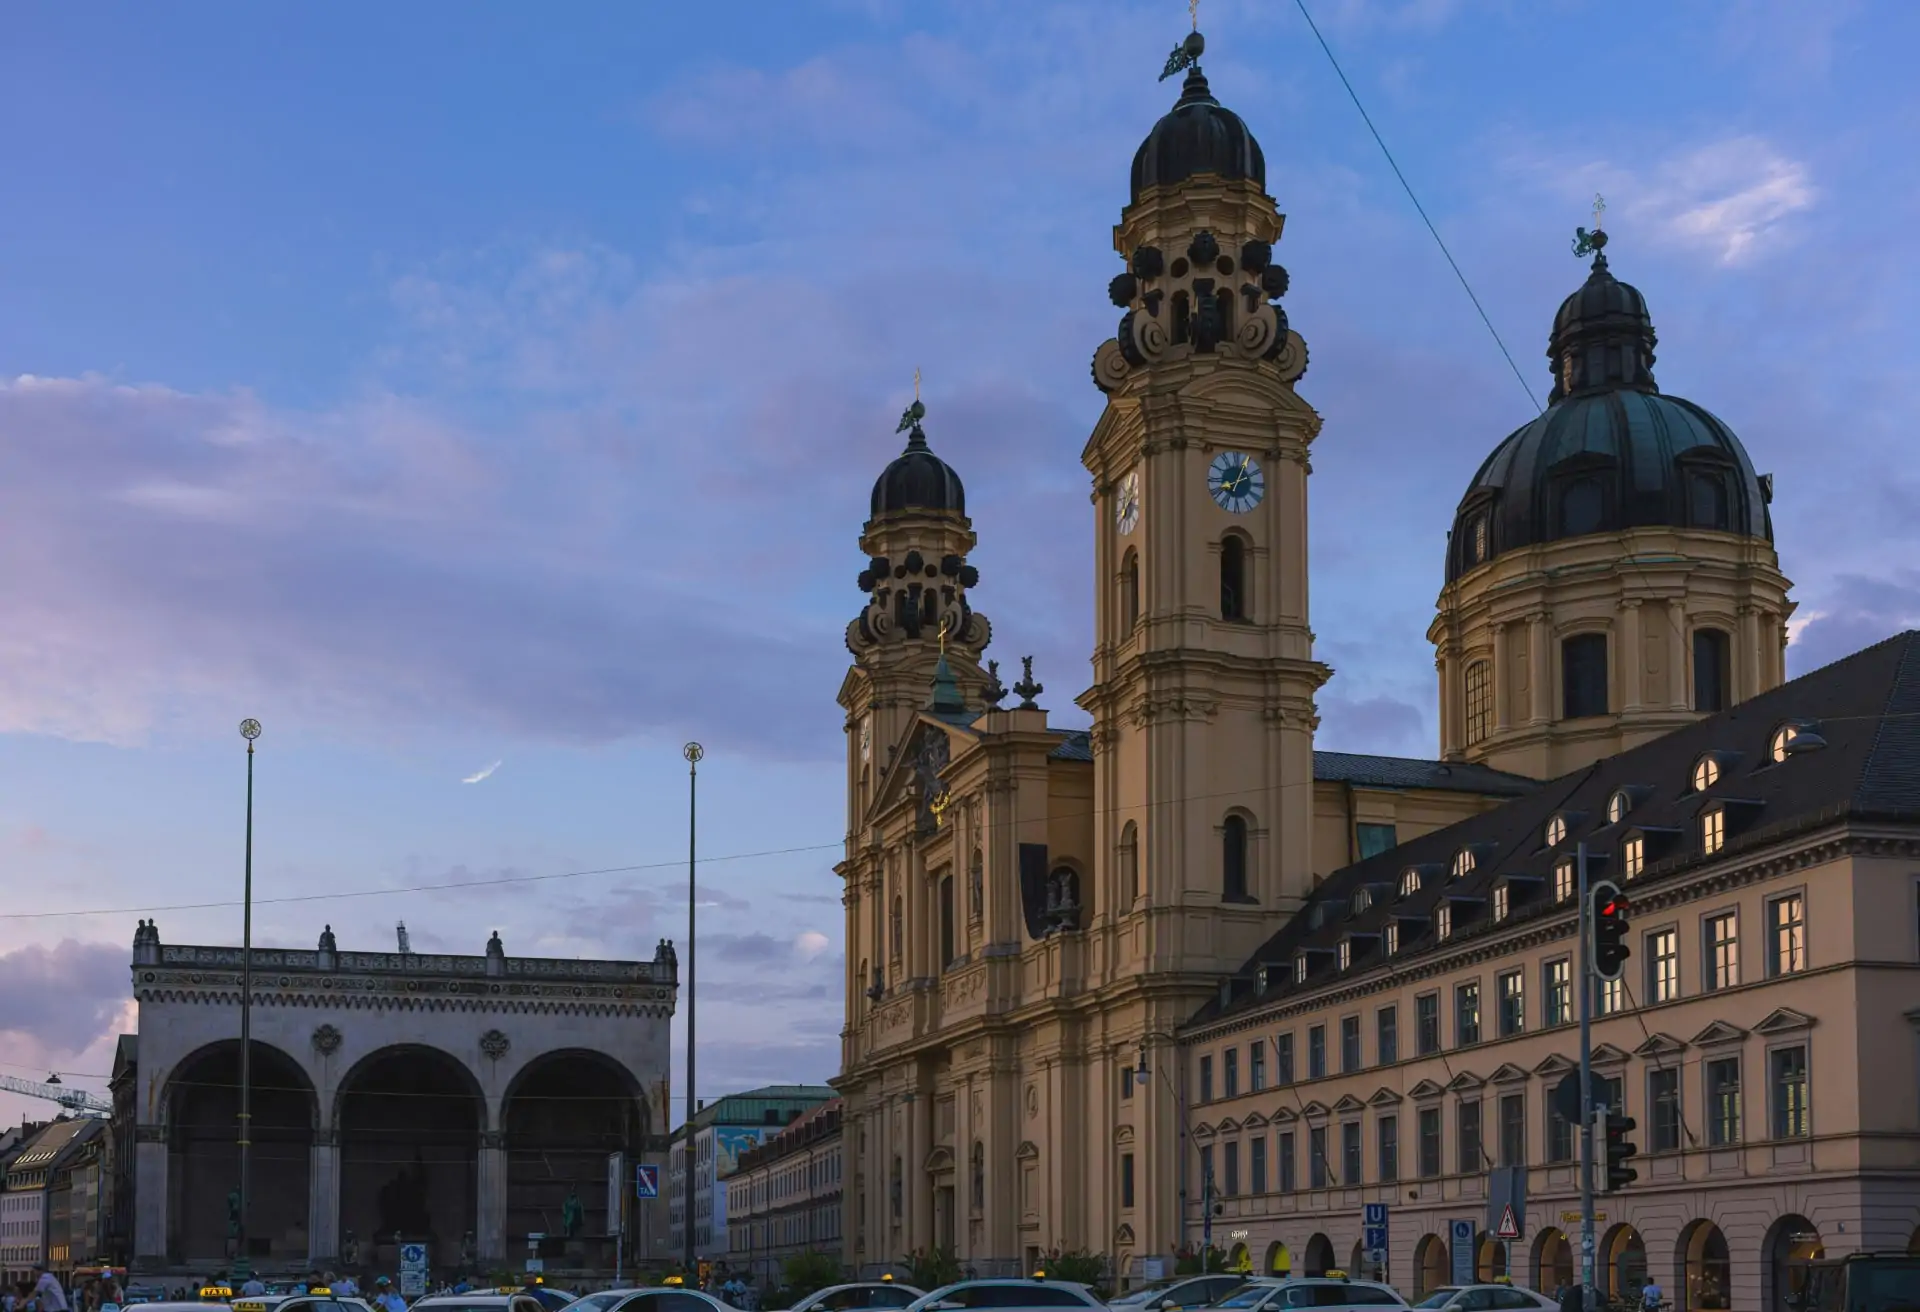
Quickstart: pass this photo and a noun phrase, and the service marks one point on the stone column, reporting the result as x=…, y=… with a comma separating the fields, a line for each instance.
x=1452, y=714
x=491, y=1227
x=919, y=1185
x=1679, y=688
x=1502, y=672
x=1748, y=676
x=323, y=1200
x=149, y=1195
x=1541, y=655
x=1632, y=663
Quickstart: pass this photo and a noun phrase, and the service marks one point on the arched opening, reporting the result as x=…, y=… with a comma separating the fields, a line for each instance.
x=1239, y=1260
x=1357, y=1261
x=1479, y=690
x=1064, y=909
x=1706, y=1269
x=1791, y=1245
x=1553, y=1261
x=1182, y=316
x=409, y=1121
x=1279, y=1260
x=1582, y=507
x=1430, y=1265
x=1130, y=591
x=1623, y=1269
x=1583, y=676
x=1707, y=497
x=203, y=1154
x=1233, y=577
x=1489, y=1258
x=1233, y=859
x=1319, y=1256
x=1712, y=670
x=1129, y=865
x=562, y=1115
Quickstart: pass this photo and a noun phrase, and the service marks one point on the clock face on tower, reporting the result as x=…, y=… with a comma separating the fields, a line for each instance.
x=1126, y=504
x=1235, y=481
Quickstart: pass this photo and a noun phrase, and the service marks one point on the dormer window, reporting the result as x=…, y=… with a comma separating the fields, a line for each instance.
x=1443, y=922
x=1713, y=830
x=1502, y=902
x=1618, y=805
x=1346, y=954
x=1393, y=937
x=1706, y=773
x=1479, y=538
x=1565, y=880
x=1300, y=968
x=1362, y=900
x=1556, y=831
x=1633, y=856
x=1463, y=863
x=1409, y=883
x=1782, y=738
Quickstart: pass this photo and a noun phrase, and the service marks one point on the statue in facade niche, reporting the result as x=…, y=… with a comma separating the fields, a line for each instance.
x=572, y=1215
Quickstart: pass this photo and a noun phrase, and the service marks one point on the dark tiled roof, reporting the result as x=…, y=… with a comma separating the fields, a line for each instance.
x=1866, y=707
x=1075, y=745
x=1407, y=772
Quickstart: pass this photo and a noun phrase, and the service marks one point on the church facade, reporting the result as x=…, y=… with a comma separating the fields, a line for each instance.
x=1066, y=950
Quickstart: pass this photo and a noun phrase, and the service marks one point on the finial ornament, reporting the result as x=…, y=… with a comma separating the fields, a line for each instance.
x=916, y=368
x=1592, y=243
x=1027, y=688
x=1193, y=12
x=1187, y=53
x=946, y=624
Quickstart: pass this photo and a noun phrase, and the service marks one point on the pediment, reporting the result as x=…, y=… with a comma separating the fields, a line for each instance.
x=1659, y=1045
x=1718, y=1035
x=1606, y=1054
x=1123, y=1135
x=1348, y=1105
x=922, y=751
x=1026, y=1152
x=1784, y=1020
x=940, y=1159
x=1315, y=1110
x=1285, y=1116
x=1424, y=1090
x=1203, y=1131
x=1384, y=1097
x=1123, y=1237
x=1253, y=1121
x=1227, y=1125
x=1464, y=1081
x=1553, y=1065
x=1511, y=1074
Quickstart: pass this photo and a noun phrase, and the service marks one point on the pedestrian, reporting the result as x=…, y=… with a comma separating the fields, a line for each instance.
x=1651, y=1295
x=47, y=1291
x=387, y=1298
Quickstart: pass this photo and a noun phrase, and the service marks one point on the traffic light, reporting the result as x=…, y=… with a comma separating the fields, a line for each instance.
x=1610, y=950
x=1614, y=1127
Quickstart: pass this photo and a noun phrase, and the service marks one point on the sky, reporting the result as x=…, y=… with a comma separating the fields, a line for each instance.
x=486, y=397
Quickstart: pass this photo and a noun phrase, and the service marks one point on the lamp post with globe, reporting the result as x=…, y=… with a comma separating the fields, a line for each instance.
x=688, y=1154
x=250, y=730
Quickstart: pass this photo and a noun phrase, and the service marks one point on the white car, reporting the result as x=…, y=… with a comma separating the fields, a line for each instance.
x=858, y=1295
x=1485, y=1298
x=672, y=1298
x=1277, y=1293
x=1006, y=1295
x=1181, y=1292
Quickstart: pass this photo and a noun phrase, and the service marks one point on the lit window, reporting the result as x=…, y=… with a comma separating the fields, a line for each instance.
x=1463, y=863
x=1346, y=954
x=1564, y=881
x=1723, y=950
x=1633, y=855
x=1362, y=900
x=1443, y=922
x=1706, y=773
x=1556, y=831
x=1663, y=966
x=1479, y=701
x=1713, y=831
x=1781, y=744
x=1559, y=999
x=1393, y=938
x=1617, y=807
x=1611, y=996
x=1479, y=538
x=1787, y=952
x=1409, y=883
x=1300, y=969
x=1500, y=902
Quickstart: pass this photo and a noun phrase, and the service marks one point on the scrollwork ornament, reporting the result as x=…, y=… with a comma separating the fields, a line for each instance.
x=1110, y=368
x=495, y=1045
x=327, y=1040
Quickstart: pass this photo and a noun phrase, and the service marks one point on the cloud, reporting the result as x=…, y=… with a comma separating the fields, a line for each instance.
x=61, y=998
x=810, y=943
x=483, y=775
x=1855, y=611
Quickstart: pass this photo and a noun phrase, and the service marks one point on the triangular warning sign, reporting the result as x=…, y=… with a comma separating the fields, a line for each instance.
x=1509, y=1227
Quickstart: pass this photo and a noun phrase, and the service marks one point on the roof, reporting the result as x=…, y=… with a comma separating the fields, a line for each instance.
x=47, y=1146
x=1865, y=708
x=1367, y=771
x=1198, y=135
x=752, y=1106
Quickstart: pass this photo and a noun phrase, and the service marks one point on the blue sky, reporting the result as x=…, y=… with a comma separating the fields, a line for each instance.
x=457, y=384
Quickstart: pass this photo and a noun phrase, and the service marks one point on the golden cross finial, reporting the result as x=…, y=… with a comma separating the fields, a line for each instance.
x=946, y=622
x=1193, y=12
x=1599, y=208
x=916, y=382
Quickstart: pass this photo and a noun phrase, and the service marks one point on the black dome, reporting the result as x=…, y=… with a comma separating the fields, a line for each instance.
x=1611, y=452
x=918, y=480
x=1197, y=135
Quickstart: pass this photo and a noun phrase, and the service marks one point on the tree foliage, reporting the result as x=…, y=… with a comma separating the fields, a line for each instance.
x=933, y=1267
x=809, y=1272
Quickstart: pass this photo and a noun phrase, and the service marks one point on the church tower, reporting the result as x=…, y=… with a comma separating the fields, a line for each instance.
x=1204, y=677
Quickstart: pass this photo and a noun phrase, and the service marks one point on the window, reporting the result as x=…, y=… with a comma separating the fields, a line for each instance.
x=1130, y=590
x=946, y=922
x=1463, y=863
x=1663, y=1103
x=1283, y=1059
x=1556, y=831
x=1633, y=856
x=1781, y=744
x=1257, y=1163
x=1663, y=966
x=1349, y=1044
x=1346, y=954
x=1409, y=882
x=1502, y=902
x=1317, y=1052
x=1706, y=773
x=1611, y=996
x=1479, y=702
x=1317, y=1157
x=1617, y=807
x=1558, y=989
x=1126, y=1180
x=1289, y=1176
x=1477, y=539
x=1466, y=1014
x=1257, y=1065
x=1713, y=830
x=1582, y=507
x=1387, y=1133
x=1707, y=498
x=1206, y=1165
x=1299, y=968
x=1372, y=840
x=1206, y=1078
x=1468, y=1138
x=1513, y=1129
x=1126, y=1081
x=1443, y=922
x=1230, y=1155
x=1391, y=940
x=1722, y=950
x=1787, y=944
x=1129, y=867
x=1426, y=1024
x=1230, y=1071
x=1387, y=1036
x=1566, y=881
x=1559, y=1135
x=1233, y=578
x=1352, y=1171
x=1233, y=859
x=897, y=927
x=1723, y=1102
x=1429, y=1142
x=1787, y=1076
x=1710, y=670
x=1583, y=676
x=1513, y=1003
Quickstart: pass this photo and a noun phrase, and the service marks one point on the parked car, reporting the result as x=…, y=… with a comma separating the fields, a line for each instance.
x=1007, y=1296
x=1277, y=1293
x=1485, y=1298
x=859, y=1294
x=1178, y=1292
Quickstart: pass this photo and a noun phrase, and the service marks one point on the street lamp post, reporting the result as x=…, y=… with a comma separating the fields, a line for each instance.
x=250, y=730
x=693, y=752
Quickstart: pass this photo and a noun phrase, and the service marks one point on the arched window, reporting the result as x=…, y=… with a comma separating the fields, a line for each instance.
x=1708, y=496
x=897, y=927
x=1130, y=590
x=1711, y=670
x=1233, y=578
x=1583, y=675
x=1182, y=318
x=946, y=922
x=1479, y=701
x=1129, y=865
x=979, y=1176
x=1233, y=859
x=1582, y=507
x=1479, y=540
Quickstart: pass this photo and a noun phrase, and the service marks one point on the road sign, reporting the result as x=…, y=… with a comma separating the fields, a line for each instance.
x=1378, y=1256
x=1460, y=1245
x=1375, y=1236
x=413, y=1270
x=1507, y=1195
x=1374, y=1214
x=646, y=1181
x=1509, y=1227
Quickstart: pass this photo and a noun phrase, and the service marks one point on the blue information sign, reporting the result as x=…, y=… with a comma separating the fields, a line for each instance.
x=1460, y=1243
x=646, y=1181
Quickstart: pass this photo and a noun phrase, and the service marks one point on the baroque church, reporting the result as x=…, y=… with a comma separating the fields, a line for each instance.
x=1043, y=924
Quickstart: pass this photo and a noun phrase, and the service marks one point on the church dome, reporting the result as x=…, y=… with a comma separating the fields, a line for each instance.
x=918, y=480
x=1198, y=135
x=1611, y=452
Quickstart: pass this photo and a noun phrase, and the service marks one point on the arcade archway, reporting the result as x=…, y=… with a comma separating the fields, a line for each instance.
x=1622, y=1271
x=1553, y=1261
x=562, y=1115
x=1319, y=1256
x=1489, y=1258
x=409, y=1121
x=1431, y=1268
x=1279, y=1260
x=203, y=1154
x=1792, y=1243
x=1706, y=1269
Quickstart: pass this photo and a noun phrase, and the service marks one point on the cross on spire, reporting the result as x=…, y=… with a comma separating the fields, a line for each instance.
x=1599, y=208
x=1193, y=12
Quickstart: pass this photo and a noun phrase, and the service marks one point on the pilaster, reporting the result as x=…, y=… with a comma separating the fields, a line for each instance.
x=492, y=1197
x=323, y=1199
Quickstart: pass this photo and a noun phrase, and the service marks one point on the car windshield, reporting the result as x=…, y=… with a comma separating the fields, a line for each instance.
x=1439, y=1297
x=1147, y=1291
x=1247, y=1296
x=601, y=1301
x=1894, y=1288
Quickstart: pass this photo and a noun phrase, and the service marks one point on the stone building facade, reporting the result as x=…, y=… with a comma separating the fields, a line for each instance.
x=784, y=1198
x=461, y=1101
